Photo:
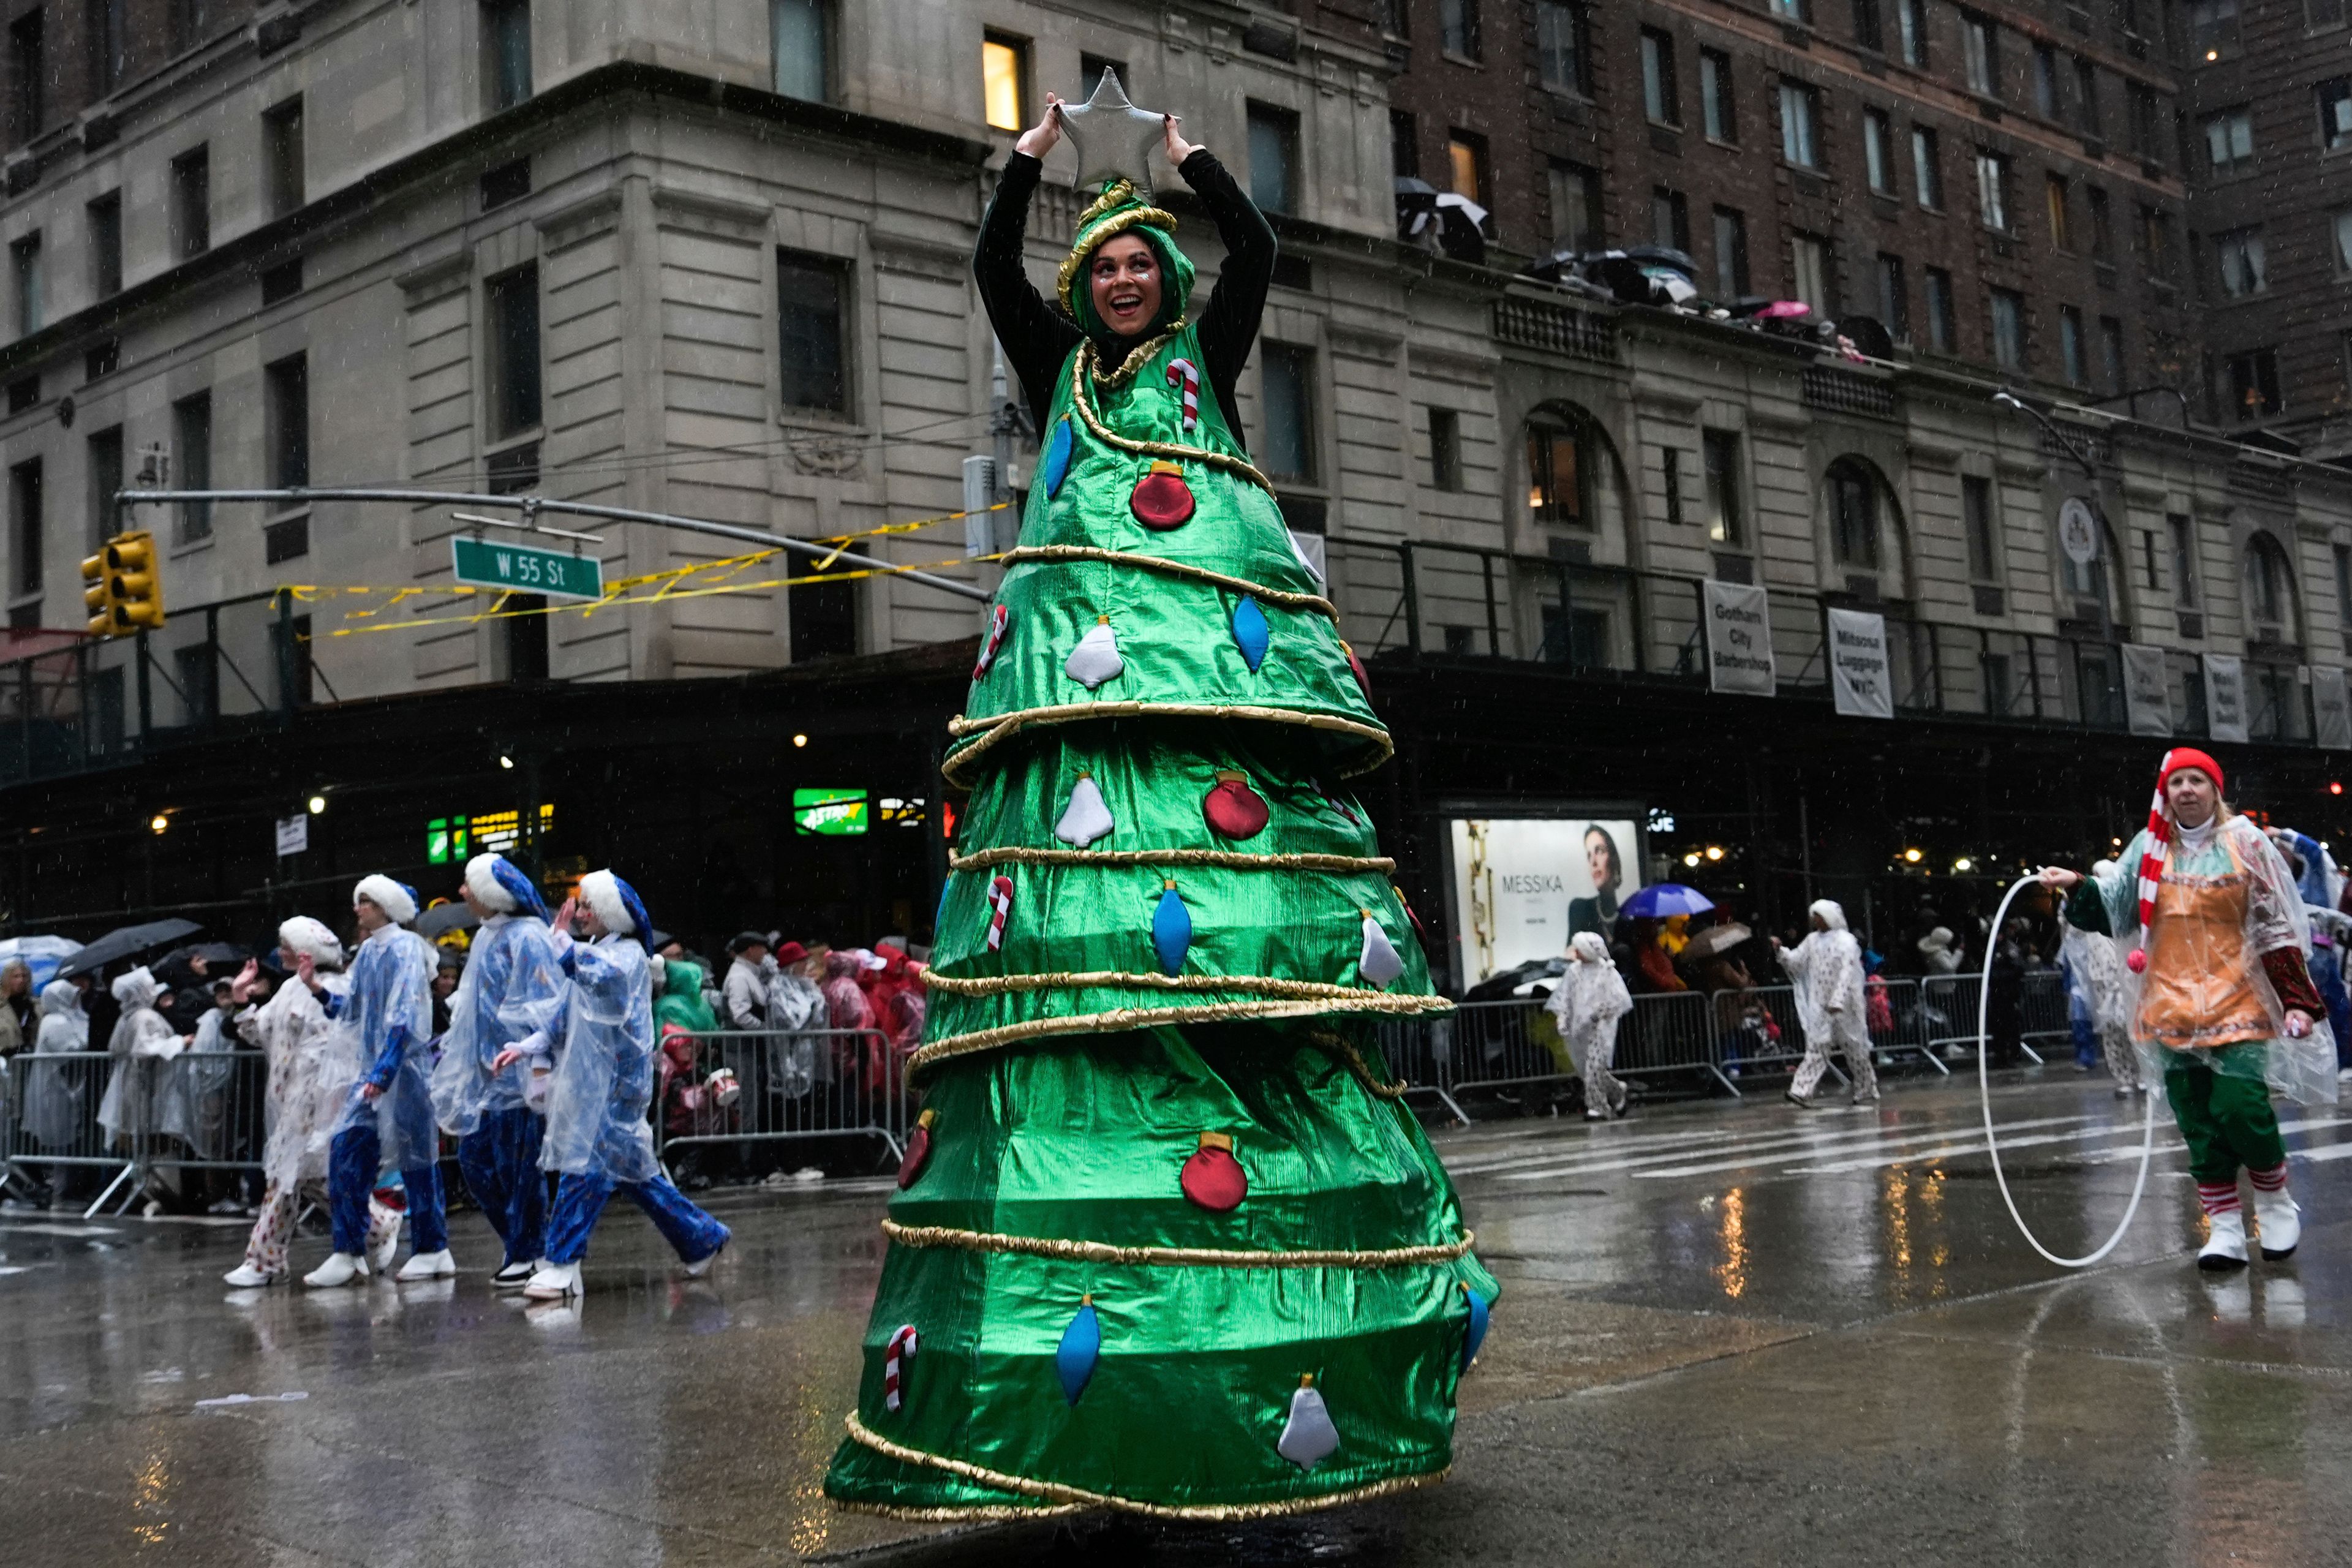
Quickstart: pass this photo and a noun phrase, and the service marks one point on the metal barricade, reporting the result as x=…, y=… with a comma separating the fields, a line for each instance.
x=2042, y=1001
x=207, y=1111
x=1948, y=1007
x=808, y=1083
x=1672, y=1032
x=1419, y=1052
x=58, y=1098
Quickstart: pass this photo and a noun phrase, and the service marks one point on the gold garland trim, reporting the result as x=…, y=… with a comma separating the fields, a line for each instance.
x=1120, y=1020
x=1226, y=859
x=978, y=1514
x=1240, y=467
x=1084, y=243
x=1137, y=357
x=1091, y=979
x=1282, y=598
x=1078, y=1498
x=992, y=729
x=1341, y=1047
x=1067, y=1251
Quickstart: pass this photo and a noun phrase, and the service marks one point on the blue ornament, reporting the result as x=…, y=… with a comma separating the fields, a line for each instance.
x=1477, y=1333
x=1250, y=632
x=1081, y=1346
x=1171, y=930
x=1054, y=466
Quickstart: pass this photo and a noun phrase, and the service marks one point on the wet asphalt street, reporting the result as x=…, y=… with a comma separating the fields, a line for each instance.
x=1728, y=1334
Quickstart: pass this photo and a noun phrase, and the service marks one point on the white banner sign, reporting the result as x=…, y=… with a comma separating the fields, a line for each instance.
x=1862, y=677
x=2147, y=689
x=2331, y=707
x=2225, y=697
x=1740, y=639
x=293, y=835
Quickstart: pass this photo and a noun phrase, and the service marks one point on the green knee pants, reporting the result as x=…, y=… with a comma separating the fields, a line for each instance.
x=2223, y=1107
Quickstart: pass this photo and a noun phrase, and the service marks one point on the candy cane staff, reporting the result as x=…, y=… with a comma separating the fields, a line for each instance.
x=386, y=1123
x=510, y=996
x=598, y=1140
x=2220, y=990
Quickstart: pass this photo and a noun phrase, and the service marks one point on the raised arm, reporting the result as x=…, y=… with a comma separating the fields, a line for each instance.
x=1228, y=325
x=1036, y=337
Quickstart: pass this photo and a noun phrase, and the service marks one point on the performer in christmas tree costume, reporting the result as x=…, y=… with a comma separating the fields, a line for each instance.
x=1167, y=1240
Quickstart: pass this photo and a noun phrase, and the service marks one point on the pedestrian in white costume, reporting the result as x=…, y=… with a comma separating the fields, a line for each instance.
x=139, y=1034
x=1587, y=1005
x=54, y=1099
x=1826, y=971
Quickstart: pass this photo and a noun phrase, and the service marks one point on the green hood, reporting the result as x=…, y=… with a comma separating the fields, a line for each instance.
x=1118, y=210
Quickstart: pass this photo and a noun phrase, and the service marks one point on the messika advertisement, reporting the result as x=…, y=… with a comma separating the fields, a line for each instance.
x=1524, y=885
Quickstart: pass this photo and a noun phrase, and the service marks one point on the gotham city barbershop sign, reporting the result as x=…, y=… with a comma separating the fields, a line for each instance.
x=1740, y=639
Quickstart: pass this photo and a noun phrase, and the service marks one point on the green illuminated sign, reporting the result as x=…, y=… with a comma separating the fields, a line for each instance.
x=444, y=840
x=830, y=812
x=489, y=564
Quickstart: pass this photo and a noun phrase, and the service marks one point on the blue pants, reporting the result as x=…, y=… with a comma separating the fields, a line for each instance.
x=352, y=1164
x=500, y=1161
x=579, y=1199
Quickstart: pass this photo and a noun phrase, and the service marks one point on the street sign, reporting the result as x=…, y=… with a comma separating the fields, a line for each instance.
x=526, y=568
x=293, y=835
x=2078, y=531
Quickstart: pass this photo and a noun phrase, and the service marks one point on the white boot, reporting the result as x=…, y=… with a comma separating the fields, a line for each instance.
x=515, y=1276
x=246, y=1277
x=553, y=1282
x=342, y=1268
x=2278, y=1222
x=428, y=1265
x=701, y=1266
x=2226, y=1246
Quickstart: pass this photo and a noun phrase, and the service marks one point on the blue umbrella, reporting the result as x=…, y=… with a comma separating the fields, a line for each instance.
x=1660, y=899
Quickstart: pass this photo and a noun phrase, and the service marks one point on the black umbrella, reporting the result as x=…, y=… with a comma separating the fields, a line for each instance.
x=443, y=919
x=128, y=942
x=210, y=952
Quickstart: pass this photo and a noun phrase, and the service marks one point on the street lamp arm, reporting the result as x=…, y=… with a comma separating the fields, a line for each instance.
x=2012, y=400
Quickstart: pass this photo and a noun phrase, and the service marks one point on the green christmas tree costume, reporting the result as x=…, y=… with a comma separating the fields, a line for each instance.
x=1168, y=1232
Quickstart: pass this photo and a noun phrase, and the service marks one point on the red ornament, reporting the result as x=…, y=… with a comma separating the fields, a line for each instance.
x=2136, y=961
x=1234, y=808
x=1212, y=1178
x=1162, y=499
x=1363, y=681
x=918, y=1149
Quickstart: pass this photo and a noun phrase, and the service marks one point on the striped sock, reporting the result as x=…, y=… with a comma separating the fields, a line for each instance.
x=2270, y=1181
x=2219, y=1197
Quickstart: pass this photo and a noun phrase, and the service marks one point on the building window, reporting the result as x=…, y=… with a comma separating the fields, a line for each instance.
x=1911, y=24
x=1792, y=10
x=281, y=150
x=1575, y=206
x=509, y=181
x=2045, y=81
x=1444, y=449
x=1670, y=475
x=2155, y=241
x=102, y=222
x=2111, y=353
x=1457, y=27
x=1799, y=124
x=1928, y=168
x=1809, y=278
x=2239, y=253
x=2254, y=384
x=286, y=387
x=28, y=79
x=1980, y=52
x=1878, y=150
x=1943, y=318
x=2071, y=346
x=102, y=462
x=2054, y=198
x=1717, y=104
x=2213, y=26
x=1894, y=299
x=1977, y=522
x=2139, y=104
x=1466, y=154
x=1092, y=68
x=1287, y=391
x=812, y=317
x=1670, y=219
x=1869, y=27
x=1559, y=485
x=2336, y=113
x=800, y=44
x=2318, y=13
x=1661, y=94
x=25, y=272
x=192, y=450
x=1563, y=47
x=1730, y=253
x=107, y=36
x=1404, y=145
x=2230, y=141
x=1853, y=515
x=511, y=308
x=2184, y=558
x=2103, y=228
x=1273, y=157
x=192, y=203
x=506, y=53
x=1992, y=190
x=2086, y=97
x=824, y=615
x=2269, y=592
x=1726, y=523
x=186, y=24
x=27, y=529
x=2343, y=225
x=1004, y=81
x=2009, y=328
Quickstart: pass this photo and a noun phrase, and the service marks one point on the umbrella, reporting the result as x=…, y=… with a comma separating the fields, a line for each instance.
x=442, y=919
x=210, y=952
x=125, y=942
x=1660, y=899
x=1717, y=938
x=41, y=954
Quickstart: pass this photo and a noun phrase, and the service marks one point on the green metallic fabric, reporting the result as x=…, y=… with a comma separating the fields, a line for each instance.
x=1069, y=1082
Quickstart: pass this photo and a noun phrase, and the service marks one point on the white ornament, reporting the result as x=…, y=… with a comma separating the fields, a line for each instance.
x=1095, y=658
x=1088, y=818
x=1378, y=962
x=1308, y=1438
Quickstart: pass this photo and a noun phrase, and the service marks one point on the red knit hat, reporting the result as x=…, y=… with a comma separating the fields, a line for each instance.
x=2159, y=838
x=2181, y=757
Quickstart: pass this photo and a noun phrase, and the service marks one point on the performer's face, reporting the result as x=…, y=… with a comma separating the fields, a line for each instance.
x=368, y=916
x=2192, y=797
x=1125, y=276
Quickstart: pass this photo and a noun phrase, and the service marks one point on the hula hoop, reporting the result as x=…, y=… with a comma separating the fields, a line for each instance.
x=1993, y=1144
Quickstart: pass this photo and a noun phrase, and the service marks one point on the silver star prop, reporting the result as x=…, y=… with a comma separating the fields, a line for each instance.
x=1113, y=139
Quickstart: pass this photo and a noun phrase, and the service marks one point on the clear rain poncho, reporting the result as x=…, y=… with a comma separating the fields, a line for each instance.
x=596, y=1114
x=140, y=1034
x=1589, y=1000
x=313, y=1065
x=2227, y=898
x=391, y=1005
x=1825, y=973
x=53, y=1100
x=511, y=989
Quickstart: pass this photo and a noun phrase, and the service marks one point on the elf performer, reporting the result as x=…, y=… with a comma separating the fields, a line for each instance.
x=512, y=994
x=386, y=1124
x=1166, y=1239
x=2221, y=1001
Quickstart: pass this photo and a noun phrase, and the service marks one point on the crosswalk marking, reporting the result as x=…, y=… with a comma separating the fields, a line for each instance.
x=1778, y=1147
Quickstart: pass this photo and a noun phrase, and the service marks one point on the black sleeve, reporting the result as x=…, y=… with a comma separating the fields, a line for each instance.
x=1037, y=338
x=1228, y=327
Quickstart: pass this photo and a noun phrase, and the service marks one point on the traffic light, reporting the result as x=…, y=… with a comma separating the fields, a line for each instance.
x=98, y=595
x=123, y=592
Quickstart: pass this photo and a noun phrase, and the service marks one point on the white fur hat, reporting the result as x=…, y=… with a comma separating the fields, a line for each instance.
x=304, y=935
x=616, y=904
x=394, y=899
x=482, y=882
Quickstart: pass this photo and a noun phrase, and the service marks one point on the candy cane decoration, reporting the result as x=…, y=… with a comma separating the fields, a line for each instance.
x=999, y=904
x=1182, y=375
x=901, y=1351
x=999, y=619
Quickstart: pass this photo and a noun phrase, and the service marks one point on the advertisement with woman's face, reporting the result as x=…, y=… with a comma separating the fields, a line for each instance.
x=1523, y=887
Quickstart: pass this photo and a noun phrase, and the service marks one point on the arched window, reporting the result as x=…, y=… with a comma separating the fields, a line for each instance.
x=1560, y=457
x=1855, y=508
x=2271, y=613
